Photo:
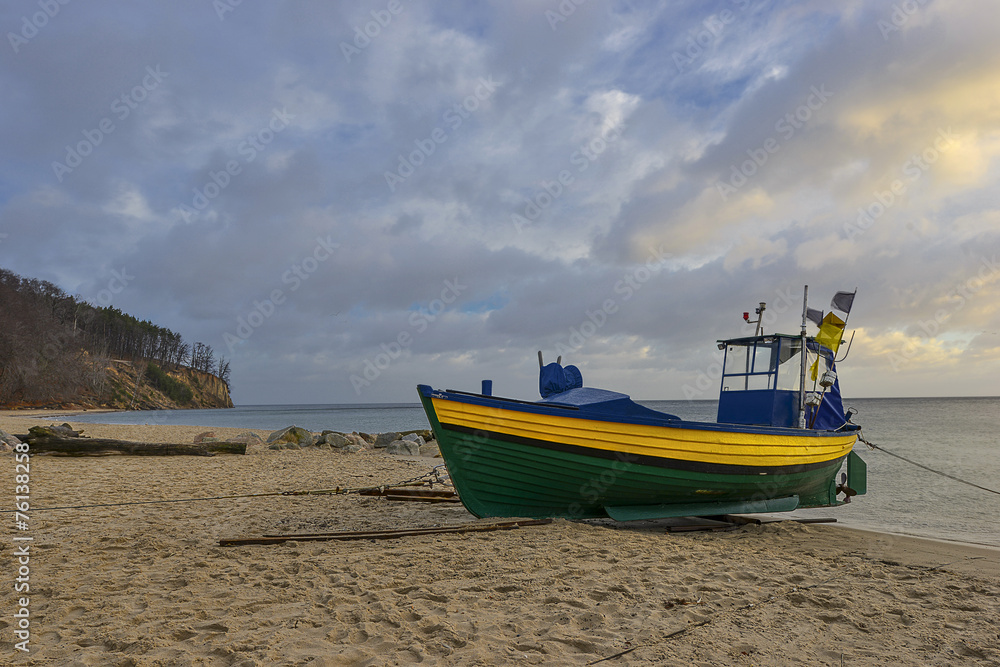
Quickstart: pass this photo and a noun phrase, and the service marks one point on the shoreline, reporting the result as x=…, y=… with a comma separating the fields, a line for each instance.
x=149, y=583
x=179, y=433
x=182, y=433
x=942, y=540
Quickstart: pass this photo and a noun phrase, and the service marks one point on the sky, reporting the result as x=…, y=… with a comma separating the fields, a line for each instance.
x=347, y=199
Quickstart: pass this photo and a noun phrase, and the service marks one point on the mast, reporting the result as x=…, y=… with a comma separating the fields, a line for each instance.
x=802, y=369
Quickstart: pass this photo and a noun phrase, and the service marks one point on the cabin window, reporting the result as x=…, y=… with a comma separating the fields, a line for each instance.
x=750, y=366
x=789, y=365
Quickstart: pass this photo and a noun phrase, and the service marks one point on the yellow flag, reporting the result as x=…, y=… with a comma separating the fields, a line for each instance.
x=831, y=332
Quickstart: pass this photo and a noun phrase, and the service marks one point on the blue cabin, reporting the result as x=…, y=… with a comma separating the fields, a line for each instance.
x=761, y=378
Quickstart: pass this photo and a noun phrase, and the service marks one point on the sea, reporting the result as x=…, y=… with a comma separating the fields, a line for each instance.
x=959, y=437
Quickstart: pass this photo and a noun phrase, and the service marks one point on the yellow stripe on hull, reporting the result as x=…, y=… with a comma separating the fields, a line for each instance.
x=685, y=444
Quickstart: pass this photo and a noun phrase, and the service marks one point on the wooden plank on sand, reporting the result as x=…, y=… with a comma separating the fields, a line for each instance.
x=382, y=534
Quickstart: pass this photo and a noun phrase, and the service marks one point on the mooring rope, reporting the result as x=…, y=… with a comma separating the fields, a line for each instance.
x=921, y=465
x=432, y=477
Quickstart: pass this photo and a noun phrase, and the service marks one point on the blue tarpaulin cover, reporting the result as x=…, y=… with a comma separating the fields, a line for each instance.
x=564, y=386
x=604, y=402
x=555, y=379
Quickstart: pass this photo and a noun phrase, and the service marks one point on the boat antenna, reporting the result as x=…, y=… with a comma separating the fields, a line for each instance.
x=802, y=365
x=759, y=329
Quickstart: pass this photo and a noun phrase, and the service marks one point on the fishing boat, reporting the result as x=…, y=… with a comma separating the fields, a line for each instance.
x=780, y=440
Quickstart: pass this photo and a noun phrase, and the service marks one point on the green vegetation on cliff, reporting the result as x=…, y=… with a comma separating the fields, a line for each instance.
x=174, y=390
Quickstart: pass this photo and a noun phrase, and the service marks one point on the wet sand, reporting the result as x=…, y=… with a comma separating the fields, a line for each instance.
x=150, y=585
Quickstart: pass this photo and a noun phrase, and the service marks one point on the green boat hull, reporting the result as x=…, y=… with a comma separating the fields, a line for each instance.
x=496, y=475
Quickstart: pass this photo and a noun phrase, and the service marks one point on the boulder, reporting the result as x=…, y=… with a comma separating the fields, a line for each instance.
x=367, y=437
x=337, y=440
x=248, y=438
x=207, y=436
x=430, y=449
x=413, y=437
x=292, y=435
x=385, y=439
x=403, y=448
x=351, y=448
x=357, y=441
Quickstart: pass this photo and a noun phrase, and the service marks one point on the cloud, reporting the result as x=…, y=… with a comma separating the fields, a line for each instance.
x=538, y=162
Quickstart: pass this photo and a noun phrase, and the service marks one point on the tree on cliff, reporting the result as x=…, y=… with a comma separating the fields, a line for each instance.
x=223, y=371
x=39, y=356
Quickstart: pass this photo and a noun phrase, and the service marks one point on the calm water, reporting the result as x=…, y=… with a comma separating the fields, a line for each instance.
x=373, y=418
x=959, y=436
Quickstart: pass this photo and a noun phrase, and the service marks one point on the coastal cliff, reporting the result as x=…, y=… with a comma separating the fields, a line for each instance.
x=57, y=350
x=140, y=385
x=132, y=385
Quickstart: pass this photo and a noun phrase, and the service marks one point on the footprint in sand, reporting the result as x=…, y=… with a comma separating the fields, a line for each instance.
x=214, y=627
x=571, y=603
x=75, y=613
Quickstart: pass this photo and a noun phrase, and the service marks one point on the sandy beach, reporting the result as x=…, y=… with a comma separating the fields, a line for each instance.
x=150, y=585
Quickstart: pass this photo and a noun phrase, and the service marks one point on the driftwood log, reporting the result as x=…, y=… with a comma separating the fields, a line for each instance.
x=57, y=441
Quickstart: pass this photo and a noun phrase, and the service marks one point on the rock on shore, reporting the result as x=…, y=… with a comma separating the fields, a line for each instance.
x=413, y=443
x=7, y=442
